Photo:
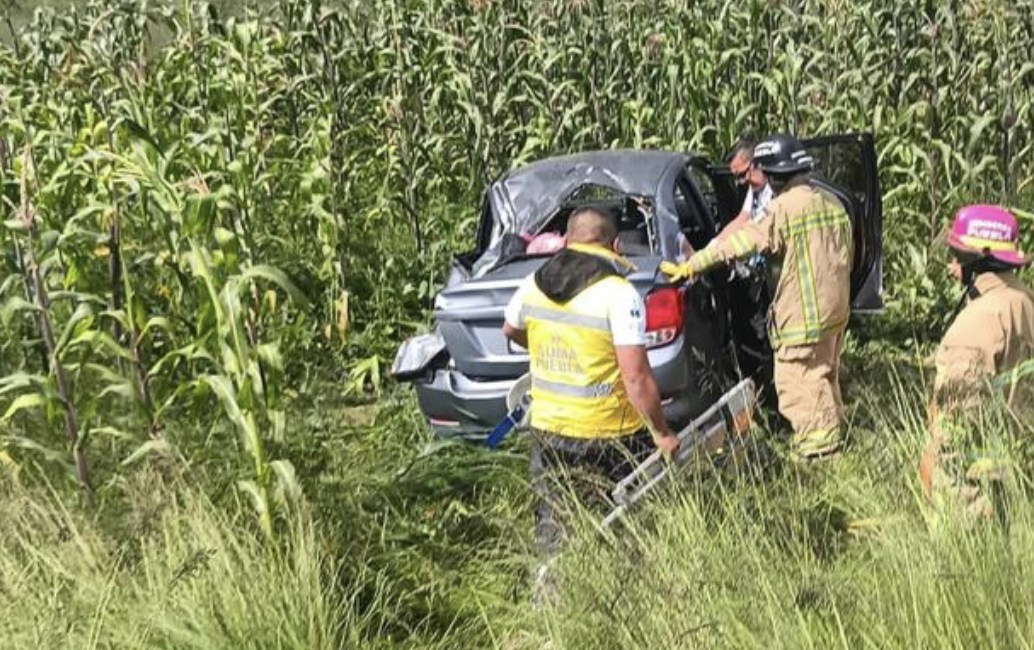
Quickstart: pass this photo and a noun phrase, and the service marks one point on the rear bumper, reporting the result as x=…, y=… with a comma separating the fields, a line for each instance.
x=457, y=406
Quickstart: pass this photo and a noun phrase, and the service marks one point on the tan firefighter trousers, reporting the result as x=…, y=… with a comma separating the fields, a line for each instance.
x=807, y=382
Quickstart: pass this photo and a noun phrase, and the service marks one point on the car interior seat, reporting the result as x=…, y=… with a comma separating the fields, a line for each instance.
x=633, y=242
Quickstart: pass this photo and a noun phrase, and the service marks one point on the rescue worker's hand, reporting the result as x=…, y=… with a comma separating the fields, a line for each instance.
x=677, y=272
x=667, y=444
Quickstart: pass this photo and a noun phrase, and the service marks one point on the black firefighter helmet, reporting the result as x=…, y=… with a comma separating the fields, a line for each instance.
x=782, y=154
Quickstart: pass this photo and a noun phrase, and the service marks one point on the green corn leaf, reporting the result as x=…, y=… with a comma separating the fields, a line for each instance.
x=151, y=447
x=142, y=135
x=276, y=276
x=259, y=502
x=976, y=131
x=118, y=316
x=289, y=490
x=189, y=352
x=155, y=323
x=98, y=340
x=78, y=296
x=1023, y=214
x=181, y=389
x=21, y=380
x=125, y=388
x=10, y=281
x=199, y=260
x=223, y=389
x=278, y=422
x=23, y=402
x=112, y=432
x=269, y=353
x=14, y=305
x=83, y=311
x=56, y=456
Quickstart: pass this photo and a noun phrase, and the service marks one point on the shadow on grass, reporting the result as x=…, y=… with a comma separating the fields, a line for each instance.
x=440, y=530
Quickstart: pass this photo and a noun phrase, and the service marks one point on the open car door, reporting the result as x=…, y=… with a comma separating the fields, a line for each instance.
x=848, y=164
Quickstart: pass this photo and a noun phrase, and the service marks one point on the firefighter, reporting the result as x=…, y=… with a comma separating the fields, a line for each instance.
x=992, y=334
x=595, y=402
x=806, y=235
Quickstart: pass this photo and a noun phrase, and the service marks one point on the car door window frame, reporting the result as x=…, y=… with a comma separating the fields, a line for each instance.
x=869, y=210
x=699, y=213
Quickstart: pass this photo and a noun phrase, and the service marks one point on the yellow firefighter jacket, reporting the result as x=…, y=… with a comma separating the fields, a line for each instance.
x=992, y=335
x=807, y=235
x=577, y=390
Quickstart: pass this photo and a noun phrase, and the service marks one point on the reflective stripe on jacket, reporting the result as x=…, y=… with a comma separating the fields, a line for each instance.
x=807, y=232
x=577, y=389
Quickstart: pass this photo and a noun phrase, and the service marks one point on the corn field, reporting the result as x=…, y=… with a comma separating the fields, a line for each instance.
x=202, y=208
x=209, y=211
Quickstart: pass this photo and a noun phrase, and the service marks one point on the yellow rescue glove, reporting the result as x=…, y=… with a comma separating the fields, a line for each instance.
x=677, y=272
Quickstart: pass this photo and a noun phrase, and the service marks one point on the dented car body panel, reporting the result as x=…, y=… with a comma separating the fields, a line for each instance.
x=464, y=369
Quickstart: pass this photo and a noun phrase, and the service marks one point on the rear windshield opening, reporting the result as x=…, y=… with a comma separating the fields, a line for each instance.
x=634, y=215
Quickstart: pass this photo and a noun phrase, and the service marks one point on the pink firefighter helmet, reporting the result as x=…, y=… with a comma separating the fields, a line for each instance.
x=546, y=243
x=990, y=230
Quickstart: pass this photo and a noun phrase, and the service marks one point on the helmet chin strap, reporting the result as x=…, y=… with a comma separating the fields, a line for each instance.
x=969, y=274
x=969, y=281
x=971, y=270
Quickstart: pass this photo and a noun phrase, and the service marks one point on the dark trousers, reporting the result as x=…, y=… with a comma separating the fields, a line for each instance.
x=568, y=471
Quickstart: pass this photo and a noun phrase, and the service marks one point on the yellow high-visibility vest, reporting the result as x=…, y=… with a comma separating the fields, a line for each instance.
x=576, y=388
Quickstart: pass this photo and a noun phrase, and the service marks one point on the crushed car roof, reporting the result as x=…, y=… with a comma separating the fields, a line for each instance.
x=525, y=198
x=637, y=167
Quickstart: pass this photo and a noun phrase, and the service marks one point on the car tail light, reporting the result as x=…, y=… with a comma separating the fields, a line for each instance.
x=665, y=312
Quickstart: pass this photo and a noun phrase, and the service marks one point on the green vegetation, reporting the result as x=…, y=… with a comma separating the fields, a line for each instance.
x=217, y=228
x=839, y=556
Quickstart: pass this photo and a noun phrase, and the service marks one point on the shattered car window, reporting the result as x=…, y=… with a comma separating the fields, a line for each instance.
x=530, y=200
x=634, y=215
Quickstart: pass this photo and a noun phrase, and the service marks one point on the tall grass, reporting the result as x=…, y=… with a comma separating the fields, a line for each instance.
x=846, y=555
x=395, y=548
x=403, y=547
x=188, y=576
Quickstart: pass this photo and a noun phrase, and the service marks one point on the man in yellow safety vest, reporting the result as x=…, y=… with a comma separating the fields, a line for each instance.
x=595, y=402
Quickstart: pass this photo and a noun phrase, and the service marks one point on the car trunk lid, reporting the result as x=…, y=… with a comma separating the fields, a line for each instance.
x=470, y=317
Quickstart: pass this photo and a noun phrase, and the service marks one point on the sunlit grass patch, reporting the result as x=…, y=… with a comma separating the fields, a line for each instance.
x=198, y=579
x=845, y=554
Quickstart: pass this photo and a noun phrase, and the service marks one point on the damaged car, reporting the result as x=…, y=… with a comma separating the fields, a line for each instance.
x=701, y=337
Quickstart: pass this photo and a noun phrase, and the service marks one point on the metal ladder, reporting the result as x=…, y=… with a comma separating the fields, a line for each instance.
x=727, y=418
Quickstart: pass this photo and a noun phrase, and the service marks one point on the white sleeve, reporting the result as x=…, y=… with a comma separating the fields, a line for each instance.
x=627, y=316
x=514, y=313
x=763, y=200
x=748, y=202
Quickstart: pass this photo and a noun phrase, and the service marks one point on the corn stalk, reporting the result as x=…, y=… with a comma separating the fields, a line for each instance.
x=25, y=221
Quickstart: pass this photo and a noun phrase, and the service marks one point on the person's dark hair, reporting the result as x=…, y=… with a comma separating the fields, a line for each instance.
x=744, y=146
x=965, y=257
x=782, y=182
x=603, y=229
x=973, y=264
